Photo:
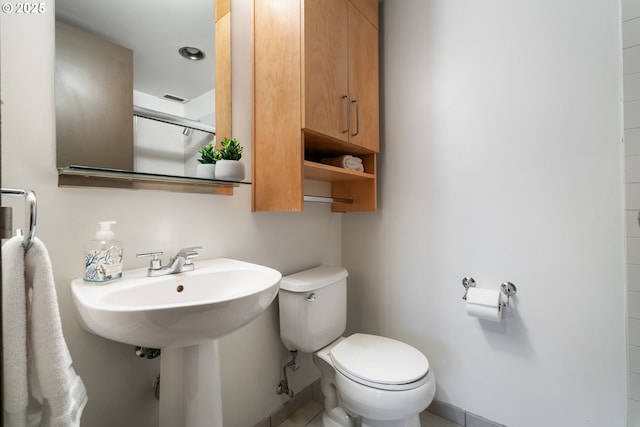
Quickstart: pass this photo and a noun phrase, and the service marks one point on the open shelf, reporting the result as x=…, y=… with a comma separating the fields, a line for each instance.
x=328, y=173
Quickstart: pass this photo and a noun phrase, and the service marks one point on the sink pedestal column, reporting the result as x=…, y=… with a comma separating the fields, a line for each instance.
x=190, y=386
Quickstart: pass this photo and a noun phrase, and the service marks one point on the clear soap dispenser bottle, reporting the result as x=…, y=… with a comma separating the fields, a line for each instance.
x=103, y=257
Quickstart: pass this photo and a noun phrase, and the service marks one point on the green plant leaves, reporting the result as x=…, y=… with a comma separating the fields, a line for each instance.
x=231, y=150
x=208, y=154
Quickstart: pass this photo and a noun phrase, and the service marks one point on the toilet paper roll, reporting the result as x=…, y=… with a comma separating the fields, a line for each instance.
x=484, y=304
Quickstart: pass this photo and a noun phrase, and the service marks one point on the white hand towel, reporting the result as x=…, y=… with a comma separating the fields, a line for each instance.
x=14, y=330
x=346, y=161
x=62, y=393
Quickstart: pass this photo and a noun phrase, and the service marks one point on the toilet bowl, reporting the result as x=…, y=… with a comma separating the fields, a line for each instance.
x=383, y=381
x=366, y=380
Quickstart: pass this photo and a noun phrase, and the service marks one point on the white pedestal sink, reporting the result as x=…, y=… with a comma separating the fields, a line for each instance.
x=190, y=393
x=183, y=314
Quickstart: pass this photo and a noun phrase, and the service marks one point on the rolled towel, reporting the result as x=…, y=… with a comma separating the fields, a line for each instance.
x=346, y=161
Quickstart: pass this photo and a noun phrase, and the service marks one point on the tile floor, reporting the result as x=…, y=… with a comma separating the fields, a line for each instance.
x=310, y=415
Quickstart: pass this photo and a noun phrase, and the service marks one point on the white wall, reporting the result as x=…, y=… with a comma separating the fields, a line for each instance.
x=118, y=383
x=631, y=71
x=201, y=108
x=159, y=147
x=179, y=154
x=501, y=160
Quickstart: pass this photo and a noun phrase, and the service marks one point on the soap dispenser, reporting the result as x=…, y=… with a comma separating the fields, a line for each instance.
x=103, y=258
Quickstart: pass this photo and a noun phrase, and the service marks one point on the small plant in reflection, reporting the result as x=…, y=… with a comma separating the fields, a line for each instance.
x=209, y=155
x=231, y=149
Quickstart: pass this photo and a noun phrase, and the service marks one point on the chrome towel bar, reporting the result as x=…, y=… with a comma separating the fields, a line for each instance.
x=30, y=214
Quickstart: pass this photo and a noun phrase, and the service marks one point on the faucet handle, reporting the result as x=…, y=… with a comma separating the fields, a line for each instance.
x=155, y=264
x=189, y=253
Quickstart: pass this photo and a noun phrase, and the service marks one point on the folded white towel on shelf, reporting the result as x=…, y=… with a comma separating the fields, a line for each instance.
x=56, y=394
x=346, y=161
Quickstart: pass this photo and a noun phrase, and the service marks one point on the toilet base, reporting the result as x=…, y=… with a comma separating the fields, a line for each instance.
x=348, y=403
x=407, y=422
x=383, y=407
x=329, y=420
x=336, y=417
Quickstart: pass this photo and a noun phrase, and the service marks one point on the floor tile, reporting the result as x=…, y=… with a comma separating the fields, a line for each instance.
x=316, y=422
x=427, y=419
x=304, y=415
x=310, y=415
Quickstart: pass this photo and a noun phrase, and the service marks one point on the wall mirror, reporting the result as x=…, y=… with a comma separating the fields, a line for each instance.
x=132, y=108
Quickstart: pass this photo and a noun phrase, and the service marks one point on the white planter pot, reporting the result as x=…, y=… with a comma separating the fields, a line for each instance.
x=206, y=170
x=229, y=170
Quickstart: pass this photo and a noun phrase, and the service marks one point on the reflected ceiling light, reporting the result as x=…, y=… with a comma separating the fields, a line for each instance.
x=192, y=53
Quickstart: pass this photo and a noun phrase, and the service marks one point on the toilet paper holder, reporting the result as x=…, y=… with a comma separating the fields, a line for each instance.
x=507, y=288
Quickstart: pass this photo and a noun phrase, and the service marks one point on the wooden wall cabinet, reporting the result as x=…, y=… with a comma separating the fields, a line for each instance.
x=315, y=95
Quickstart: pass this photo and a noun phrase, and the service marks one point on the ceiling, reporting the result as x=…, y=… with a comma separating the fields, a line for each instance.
x=154, y=30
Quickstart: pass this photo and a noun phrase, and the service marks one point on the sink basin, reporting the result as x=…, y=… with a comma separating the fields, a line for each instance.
x=177, y=310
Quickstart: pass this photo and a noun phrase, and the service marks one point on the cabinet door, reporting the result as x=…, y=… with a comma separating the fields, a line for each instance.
x=363, y=81
x=325, y=62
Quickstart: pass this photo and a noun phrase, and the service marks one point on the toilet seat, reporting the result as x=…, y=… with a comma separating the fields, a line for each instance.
x=380, y=362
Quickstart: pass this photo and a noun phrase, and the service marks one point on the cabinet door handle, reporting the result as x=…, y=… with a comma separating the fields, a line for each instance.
x=348, y=113
x=357, y=102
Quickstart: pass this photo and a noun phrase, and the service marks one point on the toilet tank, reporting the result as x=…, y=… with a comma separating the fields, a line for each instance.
x=313, y=307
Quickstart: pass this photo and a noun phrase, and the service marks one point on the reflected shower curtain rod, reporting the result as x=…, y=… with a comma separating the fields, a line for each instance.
x=171, y=119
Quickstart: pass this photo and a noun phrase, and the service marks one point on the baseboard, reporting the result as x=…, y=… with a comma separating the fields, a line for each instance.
x=278, y=416
x=459, y=416
x=448, y=412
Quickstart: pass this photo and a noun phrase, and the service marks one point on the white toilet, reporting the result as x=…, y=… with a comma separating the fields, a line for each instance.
x=366, y=380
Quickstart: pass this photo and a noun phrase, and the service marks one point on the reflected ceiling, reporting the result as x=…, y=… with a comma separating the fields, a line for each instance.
x=154, y=30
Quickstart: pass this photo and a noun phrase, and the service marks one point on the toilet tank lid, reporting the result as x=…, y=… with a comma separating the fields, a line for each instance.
x=312, y=279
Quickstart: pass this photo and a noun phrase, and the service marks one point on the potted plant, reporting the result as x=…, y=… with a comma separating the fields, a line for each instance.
x=208, y=158
x=229, y=167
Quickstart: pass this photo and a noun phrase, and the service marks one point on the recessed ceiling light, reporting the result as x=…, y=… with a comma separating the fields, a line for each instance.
x=192, y=53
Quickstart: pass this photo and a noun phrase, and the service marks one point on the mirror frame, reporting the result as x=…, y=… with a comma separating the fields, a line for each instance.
x=93, y=177
x=223, y=69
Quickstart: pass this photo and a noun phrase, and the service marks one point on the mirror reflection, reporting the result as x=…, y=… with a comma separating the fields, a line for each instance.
x=136, y=84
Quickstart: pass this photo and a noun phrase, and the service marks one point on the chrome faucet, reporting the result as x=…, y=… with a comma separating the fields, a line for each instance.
x=183, y=261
